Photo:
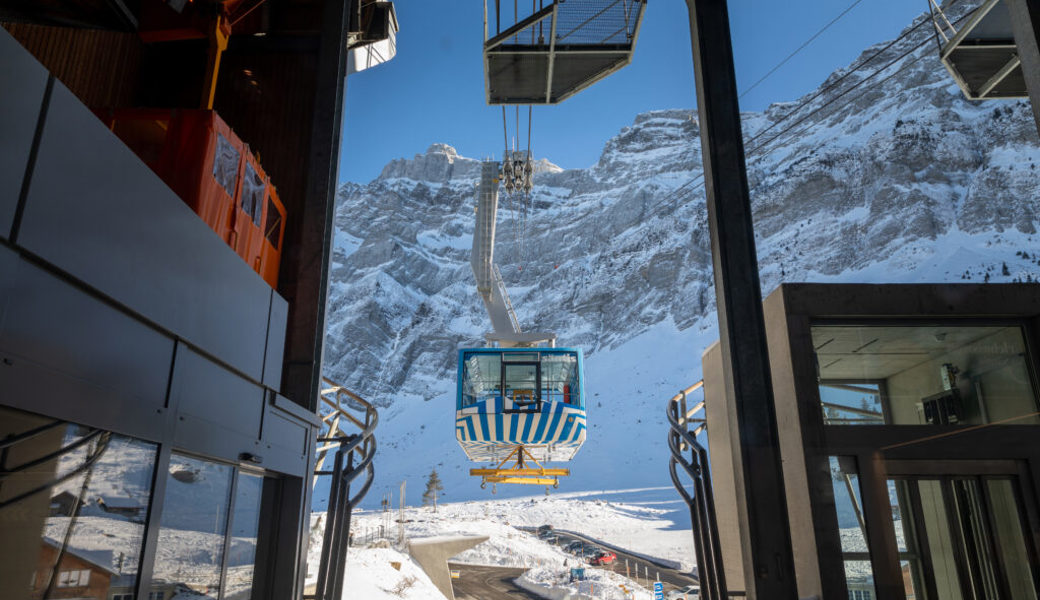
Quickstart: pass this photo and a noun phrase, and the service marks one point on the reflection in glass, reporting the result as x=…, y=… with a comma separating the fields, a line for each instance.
x=560, y=377
x=906, y=541
x=190, y=551
x=859, y=576
x=857, y=403
x=245, y=525
x=225, y=165
x=482, y=377
x=521, y=382
x=1009, y=535
x=924, y=374
x=72, y=505
x=941, y=547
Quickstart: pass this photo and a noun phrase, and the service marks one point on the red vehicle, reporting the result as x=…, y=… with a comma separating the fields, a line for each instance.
x=603, y=558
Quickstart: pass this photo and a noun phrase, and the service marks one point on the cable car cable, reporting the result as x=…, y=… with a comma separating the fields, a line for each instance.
x=856, y=68
x=800, y=48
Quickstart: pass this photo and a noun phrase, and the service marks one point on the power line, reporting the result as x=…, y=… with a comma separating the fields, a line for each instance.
x=758, y=148
x=685, y=198
x=840, y=79
x=800, y=48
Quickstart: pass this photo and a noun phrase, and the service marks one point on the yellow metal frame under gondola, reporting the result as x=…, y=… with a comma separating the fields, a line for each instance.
x=517, y=471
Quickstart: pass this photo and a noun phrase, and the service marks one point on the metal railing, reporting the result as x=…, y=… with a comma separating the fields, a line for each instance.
x=698, y=497
x=353, y=453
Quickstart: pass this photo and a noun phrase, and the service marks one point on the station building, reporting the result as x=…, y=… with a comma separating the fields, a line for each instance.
x=907, y=418
x=167, y=180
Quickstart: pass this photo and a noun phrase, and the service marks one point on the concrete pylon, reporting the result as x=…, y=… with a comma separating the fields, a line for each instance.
x=432, y=554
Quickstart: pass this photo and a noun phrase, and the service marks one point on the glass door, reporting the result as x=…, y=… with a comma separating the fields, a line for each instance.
x=962, y=536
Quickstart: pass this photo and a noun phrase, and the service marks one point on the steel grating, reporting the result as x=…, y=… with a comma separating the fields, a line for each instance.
x=981, y=56
x=561, y=49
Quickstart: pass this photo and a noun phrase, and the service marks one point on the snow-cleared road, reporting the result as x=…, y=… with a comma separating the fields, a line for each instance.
x=487, y=583
x=639, y=567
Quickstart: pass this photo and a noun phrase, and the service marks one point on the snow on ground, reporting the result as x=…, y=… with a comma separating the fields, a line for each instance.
x=372, y=576
x=373, y=573
x=640, y=527
x=621, y=518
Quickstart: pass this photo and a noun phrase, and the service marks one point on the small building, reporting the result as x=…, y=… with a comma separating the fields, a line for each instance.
x=81, y=574
x=64, y=504
x=907, y=419
x=124, y=507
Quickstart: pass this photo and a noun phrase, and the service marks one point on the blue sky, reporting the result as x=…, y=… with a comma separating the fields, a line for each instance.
x=433, y=91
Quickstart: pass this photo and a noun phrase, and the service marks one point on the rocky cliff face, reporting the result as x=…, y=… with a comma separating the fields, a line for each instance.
x=896, y=178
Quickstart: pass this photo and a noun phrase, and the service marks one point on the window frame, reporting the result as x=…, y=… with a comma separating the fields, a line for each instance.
x=1024, y=325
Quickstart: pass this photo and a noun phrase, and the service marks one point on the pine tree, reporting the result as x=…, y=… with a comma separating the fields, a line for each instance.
x=1004, y=270
x=433, y=487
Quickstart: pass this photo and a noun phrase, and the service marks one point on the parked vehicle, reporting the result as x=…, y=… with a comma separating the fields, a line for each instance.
x=689, y=592
x=551, y=539
x=544, y=531
x=591, y=551
x=603, y=558
x=574, y=547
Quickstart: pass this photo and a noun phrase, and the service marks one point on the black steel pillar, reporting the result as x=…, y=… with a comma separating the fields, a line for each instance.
x=1025, y=23
x=766, y=541
x=305, y=269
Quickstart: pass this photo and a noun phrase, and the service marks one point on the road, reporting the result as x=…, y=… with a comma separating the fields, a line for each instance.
x=488, y=583
x=671, y=578
x=496, y=583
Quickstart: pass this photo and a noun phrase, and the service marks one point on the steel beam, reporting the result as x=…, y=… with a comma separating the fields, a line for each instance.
x=305, y=267
x=1025, y=23
x=304, y=279
x=766, y=540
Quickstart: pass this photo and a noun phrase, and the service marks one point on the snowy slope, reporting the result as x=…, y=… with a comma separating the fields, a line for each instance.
x=907, y=183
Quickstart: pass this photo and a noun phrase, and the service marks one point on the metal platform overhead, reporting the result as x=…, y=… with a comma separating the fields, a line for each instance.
x=559, y=50
x=981, y=54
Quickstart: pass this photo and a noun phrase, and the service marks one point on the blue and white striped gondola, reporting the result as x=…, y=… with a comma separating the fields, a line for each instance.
x=509, y=398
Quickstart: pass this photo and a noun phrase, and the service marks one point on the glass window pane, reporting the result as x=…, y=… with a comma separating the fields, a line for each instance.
x=252, y=194
x=848, y=505
x=910, y=564
x=859, y=576
x=74, y=521
x=481, y=377
x=273, y=228
x=245, y=526
x=559, y=376
x=851, y=403
x=225, y=165
x=941, y=548
x=926, y=374
x=521, y=382
x=1009, y=538
x=194, y=522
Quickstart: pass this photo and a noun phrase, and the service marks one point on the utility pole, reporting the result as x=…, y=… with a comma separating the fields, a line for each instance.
x=400, y=517
x=762, y=501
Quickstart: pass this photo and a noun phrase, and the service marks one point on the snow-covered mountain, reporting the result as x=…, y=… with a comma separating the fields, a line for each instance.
x=893, y=179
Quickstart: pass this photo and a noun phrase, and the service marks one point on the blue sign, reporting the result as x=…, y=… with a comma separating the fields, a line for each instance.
x=658, y=590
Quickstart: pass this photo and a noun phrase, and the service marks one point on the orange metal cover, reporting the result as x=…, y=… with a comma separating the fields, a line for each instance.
x=216, y=174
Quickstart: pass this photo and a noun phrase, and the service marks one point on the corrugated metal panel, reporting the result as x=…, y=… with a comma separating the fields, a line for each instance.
x=99, y=67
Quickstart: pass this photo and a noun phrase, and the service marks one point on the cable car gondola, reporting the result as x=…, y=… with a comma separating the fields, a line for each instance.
x=520, y=406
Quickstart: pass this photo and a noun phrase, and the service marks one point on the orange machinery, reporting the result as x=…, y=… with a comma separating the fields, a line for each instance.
x=199, y=156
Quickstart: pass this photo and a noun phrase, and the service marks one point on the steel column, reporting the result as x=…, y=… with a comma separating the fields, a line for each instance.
x=766, y=541
x=304, y=278
x=1025, y=23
